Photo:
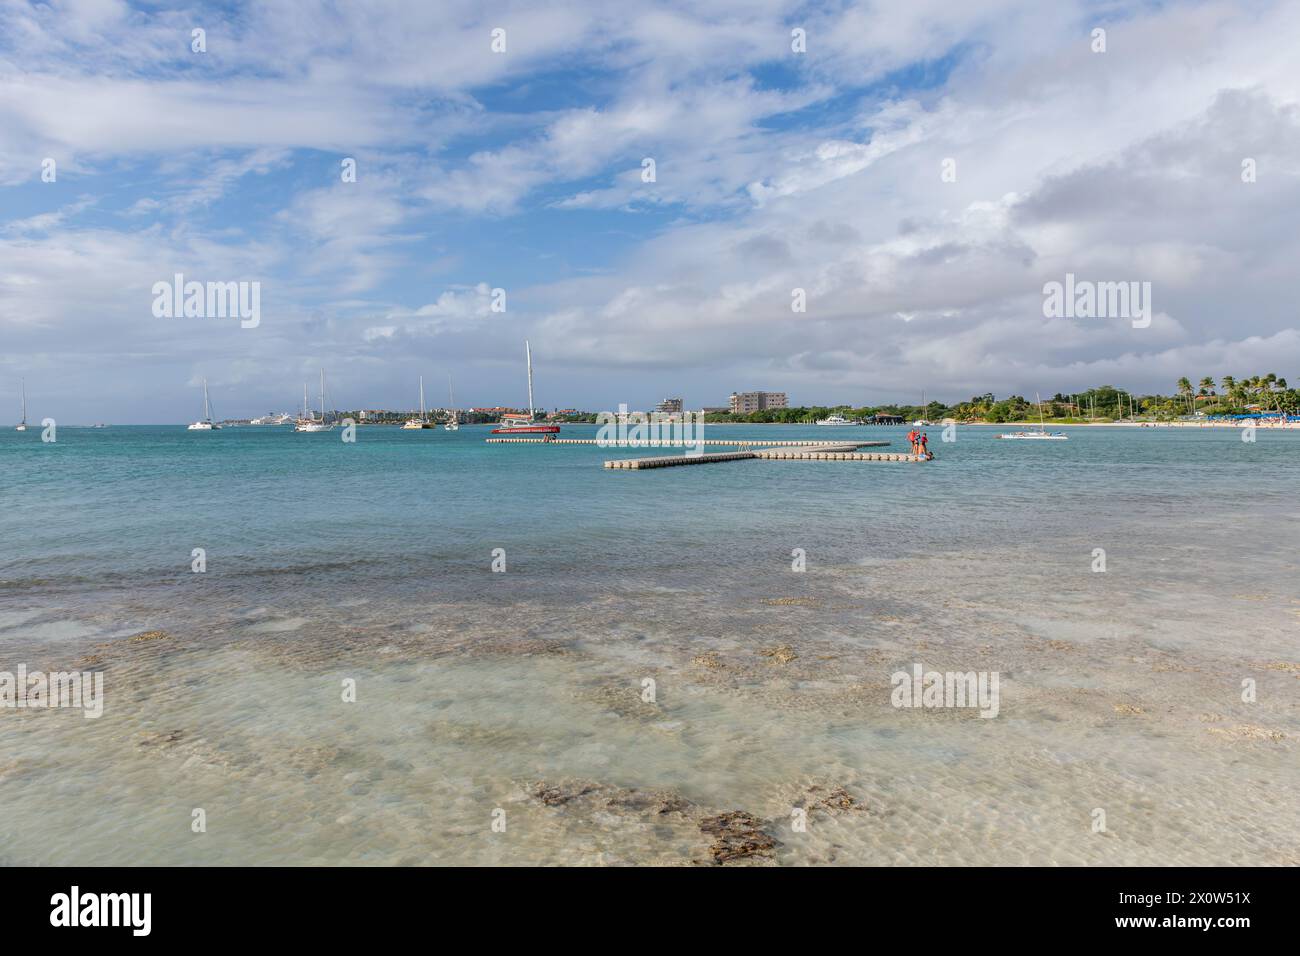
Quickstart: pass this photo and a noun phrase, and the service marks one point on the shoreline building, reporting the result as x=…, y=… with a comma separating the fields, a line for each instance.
x=742, y=403
x=670, y=406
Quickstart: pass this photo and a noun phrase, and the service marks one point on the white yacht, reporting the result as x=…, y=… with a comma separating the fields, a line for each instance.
x=271, y=418
x=308, y=423
x=1042, y=434
x=205, y=424
x=837, y=420
x=1037, y=436
x=453, y=423
x=423, y=420
x=515, y=423
x=22, y=425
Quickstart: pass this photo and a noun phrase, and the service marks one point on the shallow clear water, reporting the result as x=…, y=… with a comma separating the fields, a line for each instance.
x=522, y=691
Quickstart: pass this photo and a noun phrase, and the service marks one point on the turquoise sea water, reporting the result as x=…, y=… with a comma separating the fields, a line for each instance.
x=373, y=560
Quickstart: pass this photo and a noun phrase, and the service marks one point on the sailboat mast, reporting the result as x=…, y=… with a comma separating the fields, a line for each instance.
x=322, y=395
x=207, y=407
x=528, y=354
x=24, y=386
x=421, y=398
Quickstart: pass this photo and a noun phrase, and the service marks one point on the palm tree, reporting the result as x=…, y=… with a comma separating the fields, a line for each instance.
x=1207, y=386
x=1271, y=385
x=1185, y=390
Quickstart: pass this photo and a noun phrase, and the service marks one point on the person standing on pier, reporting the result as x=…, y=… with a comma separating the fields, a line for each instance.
x=922, y=446
x=911, y=438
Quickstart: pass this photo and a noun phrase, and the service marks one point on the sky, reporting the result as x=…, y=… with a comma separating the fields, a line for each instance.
x=919, y=169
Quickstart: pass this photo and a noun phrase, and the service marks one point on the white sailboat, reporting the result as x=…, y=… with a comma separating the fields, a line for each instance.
x=22, y=425
x=452, y=424
x=308, y=423
x=922, y=422
x=423, y=420
x=517, y=422
x=205, y=424
x=1042, y=434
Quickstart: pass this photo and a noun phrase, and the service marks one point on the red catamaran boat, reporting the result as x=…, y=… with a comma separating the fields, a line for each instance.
x=514, y=423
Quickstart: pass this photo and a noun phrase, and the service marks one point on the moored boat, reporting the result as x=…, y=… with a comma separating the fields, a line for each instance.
x=453, y=422
x=423, y=420
x=308, y=423
x=515, y=423
x=1042, y=434
x=205, y=424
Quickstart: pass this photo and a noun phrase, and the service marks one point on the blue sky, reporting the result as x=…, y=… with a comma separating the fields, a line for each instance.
x=521, y=170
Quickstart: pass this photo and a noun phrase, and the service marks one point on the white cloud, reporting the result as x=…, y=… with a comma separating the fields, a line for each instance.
x=1123, y=165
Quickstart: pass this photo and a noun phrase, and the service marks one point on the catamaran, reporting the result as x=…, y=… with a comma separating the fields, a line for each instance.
x=271, y=418
x=308, y=423
x=1042, y=434
x=22, y=425
x=516, y=423
x=922, y=422
x=423, y=420
x=453, y=423
x=205, y=423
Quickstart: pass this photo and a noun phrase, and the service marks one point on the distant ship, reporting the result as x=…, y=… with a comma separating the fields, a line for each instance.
x=284, y=418
x=837, y=420
x=1042, y=434
x=205, y=424
x=423, y=420
x=308, y=423
x=453, y=423
x=513, y=423
x=922, y=422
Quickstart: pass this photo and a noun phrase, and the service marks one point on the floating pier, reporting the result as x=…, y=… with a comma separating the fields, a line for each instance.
x=821, y=454
x=847, y=452
x=669, y=461
x=804, y=450
x=743, y=443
